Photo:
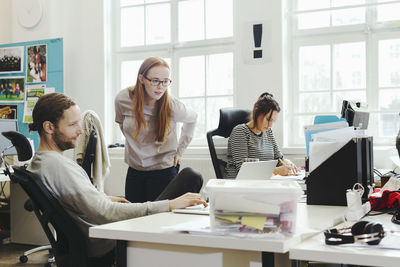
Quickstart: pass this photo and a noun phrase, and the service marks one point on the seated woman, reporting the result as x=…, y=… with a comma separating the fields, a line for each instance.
x=256, y=140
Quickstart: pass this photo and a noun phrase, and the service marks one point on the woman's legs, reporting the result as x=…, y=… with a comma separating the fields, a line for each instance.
x=134, y=186
x=142, y=186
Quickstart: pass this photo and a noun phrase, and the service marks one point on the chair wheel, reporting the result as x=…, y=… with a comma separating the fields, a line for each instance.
x=23, y=259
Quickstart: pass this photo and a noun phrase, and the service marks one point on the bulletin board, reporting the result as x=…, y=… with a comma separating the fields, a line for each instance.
x=29, y=69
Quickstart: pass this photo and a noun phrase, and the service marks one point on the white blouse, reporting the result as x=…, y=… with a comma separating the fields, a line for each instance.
x=145, y=153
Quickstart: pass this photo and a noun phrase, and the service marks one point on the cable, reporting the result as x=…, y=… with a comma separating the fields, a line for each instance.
x=377, y=172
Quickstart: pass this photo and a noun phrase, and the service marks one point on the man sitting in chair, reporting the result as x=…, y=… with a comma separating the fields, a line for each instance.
x=57, y=119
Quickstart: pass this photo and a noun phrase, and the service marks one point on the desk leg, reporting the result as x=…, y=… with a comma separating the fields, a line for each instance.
x=121, y=253
x=297, y=263
x=267, y=259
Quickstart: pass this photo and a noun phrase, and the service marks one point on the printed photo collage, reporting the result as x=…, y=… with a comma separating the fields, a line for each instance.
x=22, y=79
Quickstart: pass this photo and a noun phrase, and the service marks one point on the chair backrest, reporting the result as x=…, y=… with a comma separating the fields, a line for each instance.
x=68, y=243
x=90, y=154
x=228, y=119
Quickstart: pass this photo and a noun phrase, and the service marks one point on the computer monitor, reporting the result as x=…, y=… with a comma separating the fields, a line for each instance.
x=7, y=125
x=398, y=143
x=356, y=118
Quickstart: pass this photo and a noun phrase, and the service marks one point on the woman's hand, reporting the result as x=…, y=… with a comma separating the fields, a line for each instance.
x=119, y=199
x=177, y=160
x=292, y=166
x=282, y=170
x=186, y=200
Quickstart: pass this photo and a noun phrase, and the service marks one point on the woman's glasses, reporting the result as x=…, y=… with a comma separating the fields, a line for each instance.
x=157, y=82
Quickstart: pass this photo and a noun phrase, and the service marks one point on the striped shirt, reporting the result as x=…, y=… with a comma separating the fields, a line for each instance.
x=243, y=143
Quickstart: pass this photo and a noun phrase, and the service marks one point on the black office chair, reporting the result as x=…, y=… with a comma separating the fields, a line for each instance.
x=228, y=119
x=68, y=242
x=90, y=154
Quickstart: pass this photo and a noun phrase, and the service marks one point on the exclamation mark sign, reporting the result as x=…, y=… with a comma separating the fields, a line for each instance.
x=257, y=34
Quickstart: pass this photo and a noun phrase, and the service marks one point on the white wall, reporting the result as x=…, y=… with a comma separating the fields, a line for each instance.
x=5, y=28
x=80, y=24
x=252, y=80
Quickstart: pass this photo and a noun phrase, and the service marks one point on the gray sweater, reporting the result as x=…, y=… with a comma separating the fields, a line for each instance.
x=71, y=186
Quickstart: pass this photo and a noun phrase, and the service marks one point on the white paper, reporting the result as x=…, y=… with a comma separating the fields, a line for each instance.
x=325, y=144
x=321, y=151
x=330, y=125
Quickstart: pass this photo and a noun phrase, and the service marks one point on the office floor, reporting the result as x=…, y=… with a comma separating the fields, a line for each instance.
x=9, y=256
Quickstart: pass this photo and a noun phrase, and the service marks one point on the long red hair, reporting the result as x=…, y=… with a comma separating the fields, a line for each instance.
x=163, y=105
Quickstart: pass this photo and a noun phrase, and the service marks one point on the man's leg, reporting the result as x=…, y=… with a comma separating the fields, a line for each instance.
x=157, y=181
x=188, y=180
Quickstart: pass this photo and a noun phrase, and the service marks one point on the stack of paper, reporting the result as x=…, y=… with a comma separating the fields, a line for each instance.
x=239, y=212
x=309, y=130
x=325, y=144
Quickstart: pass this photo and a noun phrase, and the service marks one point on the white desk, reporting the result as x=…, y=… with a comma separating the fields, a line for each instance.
x=314, y=249
x=151, y=245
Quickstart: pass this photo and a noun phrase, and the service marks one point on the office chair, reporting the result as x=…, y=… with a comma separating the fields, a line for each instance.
x=228, y=119
x=68, y=242
x=90, y=154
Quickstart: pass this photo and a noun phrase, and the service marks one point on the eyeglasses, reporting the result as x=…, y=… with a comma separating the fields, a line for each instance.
x=157, y=82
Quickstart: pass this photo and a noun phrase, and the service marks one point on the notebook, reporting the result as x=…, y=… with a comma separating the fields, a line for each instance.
x=257, y=170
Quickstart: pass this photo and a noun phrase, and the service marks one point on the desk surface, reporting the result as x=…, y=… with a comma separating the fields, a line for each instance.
x=150, y=229
x=314, y=249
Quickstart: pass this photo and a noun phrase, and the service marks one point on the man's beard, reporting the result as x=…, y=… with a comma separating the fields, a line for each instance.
x=58, y=140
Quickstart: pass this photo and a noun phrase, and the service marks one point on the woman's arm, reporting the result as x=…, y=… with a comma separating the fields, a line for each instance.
x=239, y=146
x=277, y=152
x=119, y=118
x=189, y=118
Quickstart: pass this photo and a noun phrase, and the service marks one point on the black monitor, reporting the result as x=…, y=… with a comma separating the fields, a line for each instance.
x=398, y=143
x=356, y=118
x=7, y=125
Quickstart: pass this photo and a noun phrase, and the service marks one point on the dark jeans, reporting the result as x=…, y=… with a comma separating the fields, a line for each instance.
x=142, y=186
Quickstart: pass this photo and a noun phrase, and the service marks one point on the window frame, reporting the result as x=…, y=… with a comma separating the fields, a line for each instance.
x=371, y=32
x=173, y=50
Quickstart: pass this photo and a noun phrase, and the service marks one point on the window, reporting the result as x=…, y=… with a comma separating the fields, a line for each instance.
x=344, y=50
x=193, y=36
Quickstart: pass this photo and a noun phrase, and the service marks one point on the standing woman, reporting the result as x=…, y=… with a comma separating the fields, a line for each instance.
x=147, y=116
x=255, y=139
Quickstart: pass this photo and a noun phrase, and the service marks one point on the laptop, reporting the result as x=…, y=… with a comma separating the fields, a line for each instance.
x=197, y=209
x=259, y=170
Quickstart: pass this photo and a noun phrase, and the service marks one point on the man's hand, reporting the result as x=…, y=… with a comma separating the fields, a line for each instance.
x=186, y=200
x=119, y=199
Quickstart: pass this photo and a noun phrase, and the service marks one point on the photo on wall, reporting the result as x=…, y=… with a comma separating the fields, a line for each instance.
x=36, y=69
x=12, y=89
x=8, y=112
x=11, y=59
